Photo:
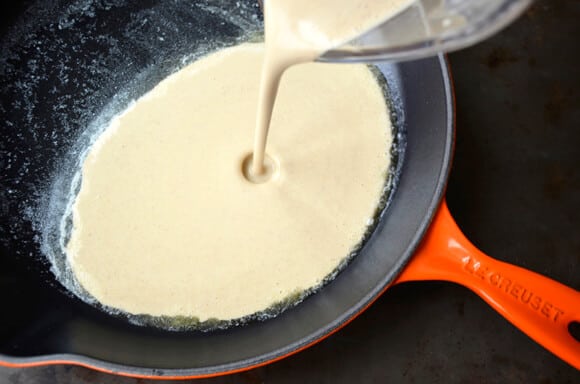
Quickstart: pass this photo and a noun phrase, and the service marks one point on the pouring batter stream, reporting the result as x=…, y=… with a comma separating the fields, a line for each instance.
x=299, y=31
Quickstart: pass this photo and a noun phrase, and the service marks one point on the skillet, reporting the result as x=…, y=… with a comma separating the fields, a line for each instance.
x=66, y=63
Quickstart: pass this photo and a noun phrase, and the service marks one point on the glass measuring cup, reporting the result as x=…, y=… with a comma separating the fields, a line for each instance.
x=426, y=27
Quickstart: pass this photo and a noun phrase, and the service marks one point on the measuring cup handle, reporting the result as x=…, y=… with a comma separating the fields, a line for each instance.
x=540, y=307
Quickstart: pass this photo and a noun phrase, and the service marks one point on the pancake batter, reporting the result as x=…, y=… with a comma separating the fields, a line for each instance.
x=166, y=223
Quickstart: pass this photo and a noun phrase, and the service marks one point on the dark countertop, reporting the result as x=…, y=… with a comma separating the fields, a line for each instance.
x=515, y=192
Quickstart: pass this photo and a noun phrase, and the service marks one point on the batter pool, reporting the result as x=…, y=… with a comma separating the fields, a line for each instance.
x=166, y=223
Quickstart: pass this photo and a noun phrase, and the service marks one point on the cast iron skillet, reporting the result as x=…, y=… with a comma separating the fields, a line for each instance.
x=65, y=63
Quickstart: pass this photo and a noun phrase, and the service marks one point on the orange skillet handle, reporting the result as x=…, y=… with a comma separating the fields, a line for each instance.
x=537, y=305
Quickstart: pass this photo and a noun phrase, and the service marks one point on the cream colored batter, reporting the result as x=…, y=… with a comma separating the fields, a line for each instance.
x=165, y=223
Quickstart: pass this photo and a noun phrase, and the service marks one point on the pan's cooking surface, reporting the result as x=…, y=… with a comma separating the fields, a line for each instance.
x=65, y=77
x=69, y=61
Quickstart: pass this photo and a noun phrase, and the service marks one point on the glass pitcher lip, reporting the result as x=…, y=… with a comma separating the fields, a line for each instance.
x=471, y=34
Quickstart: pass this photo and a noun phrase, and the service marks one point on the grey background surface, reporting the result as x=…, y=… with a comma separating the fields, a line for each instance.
x=515, y=192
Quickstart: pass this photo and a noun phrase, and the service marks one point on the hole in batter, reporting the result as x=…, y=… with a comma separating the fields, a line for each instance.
x=270, y=170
